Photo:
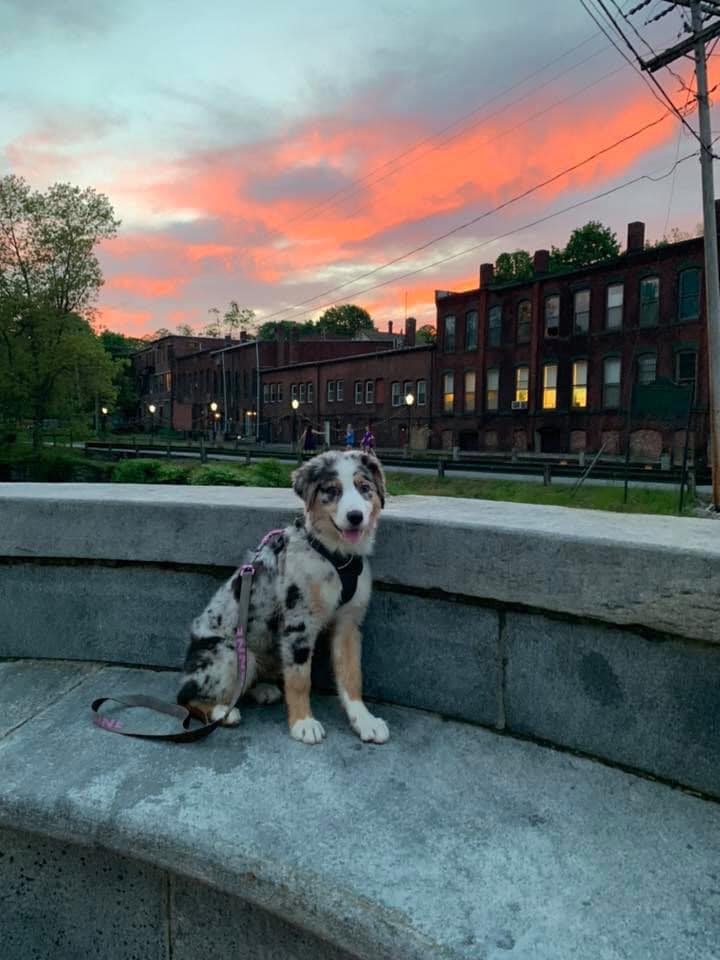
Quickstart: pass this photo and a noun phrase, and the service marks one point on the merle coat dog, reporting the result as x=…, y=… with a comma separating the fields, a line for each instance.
x=310, y=577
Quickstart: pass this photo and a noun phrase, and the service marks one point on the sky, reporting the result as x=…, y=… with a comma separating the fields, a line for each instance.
x=282, y=154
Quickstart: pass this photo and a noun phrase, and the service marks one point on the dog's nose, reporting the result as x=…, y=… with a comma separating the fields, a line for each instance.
x=355, y=518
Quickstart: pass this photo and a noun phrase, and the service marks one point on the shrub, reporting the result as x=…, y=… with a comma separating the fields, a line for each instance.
x=137, y=471
x=271, y=473
x=212, y=476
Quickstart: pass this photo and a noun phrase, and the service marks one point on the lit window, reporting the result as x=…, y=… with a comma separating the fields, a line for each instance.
x=471, y=330
x=579, y=384
x=550, y=372
x=649, y=301
x=552, y=316
x=611, y=382
x=614, y=311
x=646, y=368
x=448, y=397
x=421, y=395
x=522, y=380
x=340, y=390
x=449, y=342
x=523, y=321
x=331, y=391
x=395, y=393
x=581, y=311
x=470, y=381
x=358, y=391
x=369, y=391
x=689, y=294
x=685, y=366
x=302, y=393
x=494, y=337
x=310, y=392
x=492, y=395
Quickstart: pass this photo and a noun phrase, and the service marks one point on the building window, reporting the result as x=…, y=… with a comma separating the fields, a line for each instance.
x=448, y=392
x=471, y=330
x=649, y=301
x=581, y=312
x=358, y=391
x=407, y=388
x=395, y=393
x=689, y=294
x=266, y=392
x=340, y=390
x=549, y=399
x=646, y=368
x=522, y=381
x=273, y=393
x=369, y=391
x=611, y=382
x=685, y=367
x=492, y=393
x=449, y=341
x=470, y=383
x=614, y=310
x=310, y=392
x=523, y=321
x=280, y=393
x=302, y=393
x=331, y=391
x=552, y=316
x=421, y=395
x=494, y=336
x=293, y=391
x=579, y=384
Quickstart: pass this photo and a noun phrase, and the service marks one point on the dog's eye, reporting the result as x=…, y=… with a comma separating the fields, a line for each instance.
x=364, y=487
x=329, y=492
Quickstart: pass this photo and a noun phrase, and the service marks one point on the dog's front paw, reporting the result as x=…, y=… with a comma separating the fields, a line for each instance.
x=231, y=720
x=308, y=730
x=266, y=693
x=370, y=729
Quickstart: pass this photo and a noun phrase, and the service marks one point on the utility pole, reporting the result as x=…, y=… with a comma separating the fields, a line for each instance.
x=696, y=42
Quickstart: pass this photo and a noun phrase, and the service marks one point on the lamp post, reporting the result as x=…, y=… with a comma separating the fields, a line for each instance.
x=104, y=411
x=409, y=401
x=213, y=411
x=295, y=403
x=151, y=410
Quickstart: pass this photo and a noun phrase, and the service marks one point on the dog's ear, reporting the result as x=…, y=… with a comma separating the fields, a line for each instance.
x=370, y=461
x=303, y=479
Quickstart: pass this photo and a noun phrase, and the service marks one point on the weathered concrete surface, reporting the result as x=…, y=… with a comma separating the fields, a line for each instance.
x=660, y=572
x=447, y=842
x=649, y=704
x=27, y=687
x=65, y=902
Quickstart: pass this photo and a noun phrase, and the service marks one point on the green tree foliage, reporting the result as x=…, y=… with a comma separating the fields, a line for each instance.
x=513, y=266
x=588, y=244
x=345, y=320
x=426, y=334
x=234, y=319
x=120, y=348
x=184, y=330
x=51, y=362
x=266, y=331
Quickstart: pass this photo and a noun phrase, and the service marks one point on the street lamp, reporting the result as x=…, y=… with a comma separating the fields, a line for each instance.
x=151, y=409
x=294, y=403
x=213, y=407
x=409, y=401
x=104, y=411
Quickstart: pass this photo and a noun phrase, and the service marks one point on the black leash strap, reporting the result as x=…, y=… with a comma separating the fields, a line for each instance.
x=141, y=700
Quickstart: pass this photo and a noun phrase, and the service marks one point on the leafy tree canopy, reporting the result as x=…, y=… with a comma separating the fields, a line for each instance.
x=513, y=266
x=347, y=319
x=426, y=334
x=588, y=244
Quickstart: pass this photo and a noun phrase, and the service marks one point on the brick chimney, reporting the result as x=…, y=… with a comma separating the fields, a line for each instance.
x=410, y=325
x=541, y=261
x=487, y=274
x=635, y=236
x=390, y=326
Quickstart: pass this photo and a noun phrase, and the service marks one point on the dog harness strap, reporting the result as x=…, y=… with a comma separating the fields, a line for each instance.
x=348, y=570
x=141, y=700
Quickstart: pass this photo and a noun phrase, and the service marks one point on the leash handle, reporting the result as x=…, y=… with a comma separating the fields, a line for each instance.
x=186, y=735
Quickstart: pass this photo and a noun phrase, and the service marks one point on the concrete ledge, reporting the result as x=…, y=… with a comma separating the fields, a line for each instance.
x=449, y=842
x=660, y=573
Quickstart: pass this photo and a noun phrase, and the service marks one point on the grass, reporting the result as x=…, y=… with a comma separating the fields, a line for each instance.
x=513, y=491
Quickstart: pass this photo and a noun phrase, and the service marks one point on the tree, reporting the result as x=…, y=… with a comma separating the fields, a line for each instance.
x=49, y=281
x=120, y=348
x=345, y=320
x=426, y=334
x=266, y=331
x=513, y=266
x=185, y=330
x=235, y=318
x=590, y=244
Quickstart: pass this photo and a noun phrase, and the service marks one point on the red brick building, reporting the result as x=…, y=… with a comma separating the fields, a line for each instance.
x=549, y=363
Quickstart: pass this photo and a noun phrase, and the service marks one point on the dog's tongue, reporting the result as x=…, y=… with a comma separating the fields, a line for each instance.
x=352, y=535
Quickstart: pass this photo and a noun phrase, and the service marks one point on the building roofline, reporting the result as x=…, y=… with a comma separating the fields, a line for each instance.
x=348, y=357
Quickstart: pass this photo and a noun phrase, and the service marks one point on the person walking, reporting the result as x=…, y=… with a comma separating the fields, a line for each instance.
x=368, y=440
x=307, y=439
x=349, y=437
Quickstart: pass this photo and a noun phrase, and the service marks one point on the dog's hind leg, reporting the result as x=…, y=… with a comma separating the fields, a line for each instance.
x=265, y=693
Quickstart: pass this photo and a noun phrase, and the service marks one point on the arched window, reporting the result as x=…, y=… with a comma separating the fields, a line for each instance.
x=523, y=321
x=471, y=330
x=689, y=294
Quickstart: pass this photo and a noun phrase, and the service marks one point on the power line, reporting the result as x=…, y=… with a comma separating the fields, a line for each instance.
x=502, y=236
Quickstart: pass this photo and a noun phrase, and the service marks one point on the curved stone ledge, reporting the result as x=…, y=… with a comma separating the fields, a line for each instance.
x=661, y=573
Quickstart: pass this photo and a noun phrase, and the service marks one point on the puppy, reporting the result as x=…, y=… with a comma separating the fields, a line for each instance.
x=310, y=577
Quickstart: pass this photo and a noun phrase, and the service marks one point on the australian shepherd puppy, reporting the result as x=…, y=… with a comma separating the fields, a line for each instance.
x=310, y=577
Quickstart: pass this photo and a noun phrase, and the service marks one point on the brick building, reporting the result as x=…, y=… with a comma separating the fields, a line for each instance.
x=549, y=363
